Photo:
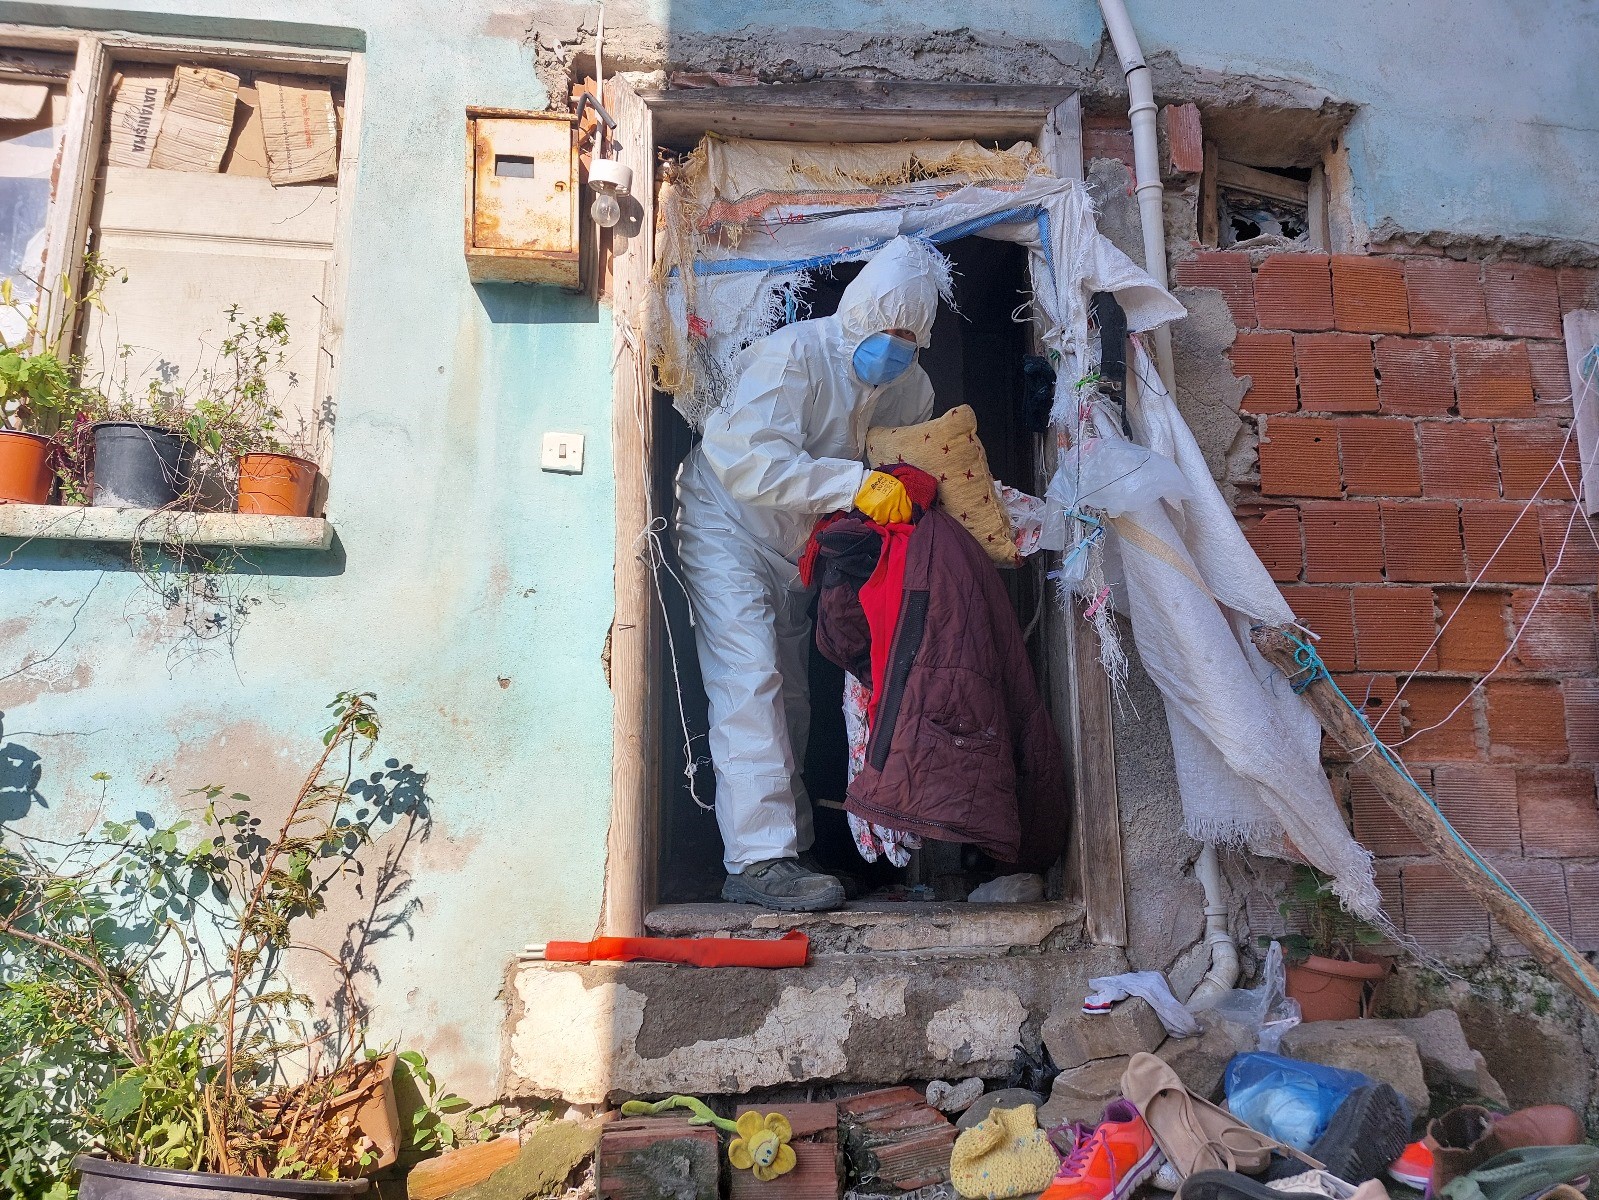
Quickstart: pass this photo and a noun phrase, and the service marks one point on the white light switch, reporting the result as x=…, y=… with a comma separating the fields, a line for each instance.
x=563, y=452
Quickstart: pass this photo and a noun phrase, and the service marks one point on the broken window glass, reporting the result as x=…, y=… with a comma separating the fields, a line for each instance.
x=31, y=120
x=1244, y=215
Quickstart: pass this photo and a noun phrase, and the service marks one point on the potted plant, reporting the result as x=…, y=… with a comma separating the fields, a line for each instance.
x=1326, y=972
x=42, y=403
x=157, y=1036
x=276, y=471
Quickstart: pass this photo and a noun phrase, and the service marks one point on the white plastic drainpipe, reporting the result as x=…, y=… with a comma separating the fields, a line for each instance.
x=1223, y=973
x=1146, y=158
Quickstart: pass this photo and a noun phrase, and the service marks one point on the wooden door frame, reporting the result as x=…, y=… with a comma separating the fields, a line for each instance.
x=833, y=111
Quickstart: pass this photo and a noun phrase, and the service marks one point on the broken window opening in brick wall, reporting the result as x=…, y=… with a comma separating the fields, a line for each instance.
x=1251, y=203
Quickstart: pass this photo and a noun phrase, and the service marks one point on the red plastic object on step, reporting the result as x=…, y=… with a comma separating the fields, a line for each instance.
x=1413, y=1168
x=790, y=950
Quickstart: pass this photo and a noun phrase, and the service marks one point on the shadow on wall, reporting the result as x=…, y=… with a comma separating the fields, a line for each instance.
x=535, y=304
x=363, y=883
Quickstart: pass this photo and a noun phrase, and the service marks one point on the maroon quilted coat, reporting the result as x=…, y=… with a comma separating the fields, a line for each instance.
x=963, y=749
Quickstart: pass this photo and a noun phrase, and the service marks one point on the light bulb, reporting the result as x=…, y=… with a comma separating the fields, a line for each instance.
x=605, y=210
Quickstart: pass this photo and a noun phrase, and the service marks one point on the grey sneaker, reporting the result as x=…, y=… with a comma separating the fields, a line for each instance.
x=782, y=883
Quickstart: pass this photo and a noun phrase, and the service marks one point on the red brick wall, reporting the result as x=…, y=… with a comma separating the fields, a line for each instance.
x=1408, y=409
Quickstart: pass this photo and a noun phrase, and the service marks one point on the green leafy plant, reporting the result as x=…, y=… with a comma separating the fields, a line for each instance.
x=142, y=980
x=1322, y=925
x=40, y=389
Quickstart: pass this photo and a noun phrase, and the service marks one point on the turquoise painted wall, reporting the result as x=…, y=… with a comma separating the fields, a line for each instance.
x=458, y=562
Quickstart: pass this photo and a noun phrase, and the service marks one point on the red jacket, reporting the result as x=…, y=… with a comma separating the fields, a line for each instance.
x=962, y=748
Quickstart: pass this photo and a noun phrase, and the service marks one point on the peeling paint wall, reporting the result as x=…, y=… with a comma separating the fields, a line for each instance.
x=457, y=563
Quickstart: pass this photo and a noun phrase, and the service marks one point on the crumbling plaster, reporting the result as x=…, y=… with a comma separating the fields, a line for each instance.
x=1481, y=130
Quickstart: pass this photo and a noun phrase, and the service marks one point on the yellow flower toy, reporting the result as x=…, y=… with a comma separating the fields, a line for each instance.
x=761, y=1146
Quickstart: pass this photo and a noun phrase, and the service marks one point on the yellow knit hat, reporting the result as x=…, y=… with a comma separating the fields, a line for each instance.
x=1005, y=1154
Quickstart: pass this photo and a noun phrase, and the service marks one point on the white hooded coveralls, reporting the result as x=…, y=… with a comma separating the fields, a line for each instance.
x=786, y=447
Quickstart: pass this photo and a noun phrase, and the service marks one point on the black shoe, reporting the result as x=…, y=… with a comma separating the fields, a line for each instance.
x=783, y=884
x=1370, y=1130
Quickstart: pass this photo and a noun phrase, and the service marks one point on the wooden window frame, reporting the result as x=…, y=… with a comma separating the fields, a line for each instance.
x=96, y=56
x=836, y=111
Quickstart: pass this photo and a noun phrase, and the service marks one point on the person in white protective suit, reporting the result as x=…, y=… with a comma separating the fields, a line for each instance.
x=785, y=447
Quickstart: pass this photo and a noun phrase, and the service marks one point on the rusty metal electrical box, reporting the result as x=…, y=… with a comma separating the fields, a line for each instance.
x=521, y=197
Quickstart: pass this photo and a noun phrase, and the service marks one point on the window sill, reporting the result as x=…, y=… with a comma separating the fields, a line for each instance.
x=50, y=522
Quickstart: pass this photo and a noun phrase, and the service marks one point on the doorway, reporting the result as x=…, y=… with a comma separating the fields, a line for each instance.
x=976, y=357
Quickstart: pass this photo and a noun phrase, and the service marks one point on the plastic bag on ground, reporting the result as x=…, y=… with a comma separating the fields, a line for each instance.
x=1267, y=1009
x=1285, y=1098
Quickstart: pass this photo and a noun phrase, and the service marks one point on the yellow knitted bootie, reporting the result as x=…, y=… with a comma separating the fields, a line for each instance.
x=1005, y=1154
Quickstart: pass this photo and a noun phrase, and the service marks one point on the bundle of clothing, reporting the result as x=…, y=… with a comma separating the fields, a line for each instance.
x=958, y=745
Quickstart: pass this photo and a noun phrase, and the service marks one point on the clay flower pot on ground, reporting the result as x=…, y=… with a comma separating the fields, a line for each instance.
x=25, y=471
x=276, y=484
x=1331, y=989
x=140, y=466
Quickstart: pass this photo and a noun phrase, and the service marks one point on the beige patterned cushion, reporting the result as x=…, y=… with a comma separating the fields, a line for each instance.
x=948, y=448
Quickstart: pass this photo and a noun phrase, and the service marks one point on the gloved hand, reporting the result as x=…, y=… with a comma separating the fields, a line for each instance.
x=883, y=499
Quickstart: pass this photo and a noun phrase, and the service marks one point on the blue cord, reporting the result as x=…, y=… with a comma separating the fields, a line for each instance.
x=1311, y=668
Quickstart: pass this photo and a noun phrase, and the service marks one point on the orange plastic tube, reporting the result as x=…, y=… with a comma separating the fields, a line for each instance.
x=790, y=950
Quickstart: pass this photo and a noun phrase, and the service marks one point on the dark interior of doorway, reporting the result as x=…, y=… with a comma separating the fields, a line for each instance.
x=975, y=358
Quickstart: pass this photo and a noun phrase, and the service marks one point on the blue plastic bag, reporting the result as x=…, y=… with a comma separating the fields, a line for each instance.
x=1285, y=1098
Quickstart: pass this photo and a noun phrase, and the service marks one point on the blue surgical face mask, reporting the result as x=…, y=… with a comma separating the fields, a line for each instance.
x=882, y=358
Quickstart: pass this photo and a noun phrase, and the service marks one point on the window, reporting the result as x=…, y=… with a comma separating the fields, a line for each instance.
x=210, y=179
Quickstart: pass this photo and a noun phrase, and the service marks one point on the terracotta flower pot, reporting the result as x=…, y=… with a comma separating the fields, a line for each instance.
x=25, y=474
x=278, y=485
x=1330, y=989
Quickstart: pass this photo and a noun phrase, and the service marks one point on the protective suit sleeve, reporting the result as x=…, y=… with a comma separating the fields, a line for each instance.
x=756, y=444
x=908, y=401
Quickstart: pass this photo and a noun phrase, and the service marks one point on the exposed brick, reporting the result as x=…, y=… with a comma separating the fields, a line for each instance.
x=1557, y=635
x=1394, y=630
x=1523, y=300
x=1493, y=379
x=1579, y=288
x=1569, y=541
x=1268, y=360
x=1108, y=137
x=1472, y=626
x=1502, y=543
x=1430, y=702
x=1526, y=721
x=1228, y=272
x=1294, y=291
x=1582, y=891
x=1582, y=719
x=1185, y=138
x=1551, y=377
x=1457, y=459
x=1327, y=611
x=1481, y=803
x=1335, y=372
x=1379, y=456
x=1377, y=826
x=1559, y=812
x=1374, y=696
x=1527, y=454
x=1391, y=887
x=1369, y=294
x=1343, y=542
x=1417, y=376
x=1274, y=536
x=1299, y=457
x=1445, y=296
x=1440, y=914
x=1543, y=886
x=1421, y=542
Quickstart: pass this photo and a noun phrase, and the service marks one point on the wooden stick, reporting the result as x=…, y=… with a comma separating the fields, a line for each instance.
x=1429, y=825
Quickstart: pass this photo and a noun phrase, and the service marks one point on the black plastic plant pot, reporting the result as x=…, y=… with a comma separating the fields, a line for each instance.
x=139, y=466
x=105, y=1180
